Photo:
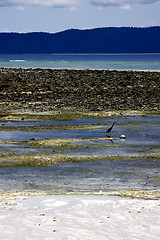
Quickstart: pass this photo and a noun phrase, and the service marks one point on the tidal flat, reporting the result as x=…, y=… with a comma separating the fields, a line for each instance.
x=60, y=171
x=45, y=152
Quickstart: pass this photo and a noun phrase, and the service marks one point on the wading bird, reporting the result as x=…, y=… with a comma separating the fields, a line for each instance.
x=110, y=129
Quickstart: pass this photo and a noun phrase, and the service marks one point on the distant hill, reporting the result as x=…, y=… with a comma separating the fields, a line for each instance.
x=99, y=40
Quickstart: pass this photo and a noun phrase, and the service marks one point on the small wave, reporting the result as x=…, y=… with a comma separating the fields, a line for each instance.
x=17, y=60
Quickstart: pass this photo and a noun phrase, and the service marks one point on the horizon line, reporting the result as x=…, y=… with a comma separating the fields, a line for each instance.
x=87, y=29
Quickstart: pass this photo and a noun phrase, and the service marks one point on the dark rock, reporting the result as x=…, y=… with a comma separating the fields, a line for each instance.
x=47, y=89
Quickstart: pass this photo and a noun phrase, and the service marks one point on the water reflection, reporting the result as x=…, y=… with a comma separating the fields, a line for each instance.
x=142, y=136
x=86, y=176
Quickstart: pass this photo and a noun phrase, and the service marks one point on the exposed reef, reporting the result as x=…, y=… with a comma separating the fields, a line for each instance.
x=96, y=90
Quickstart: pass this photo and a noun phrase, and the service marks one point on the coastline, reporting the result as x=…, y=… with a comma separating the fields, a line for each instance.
x=94, y=90
x=125, y=215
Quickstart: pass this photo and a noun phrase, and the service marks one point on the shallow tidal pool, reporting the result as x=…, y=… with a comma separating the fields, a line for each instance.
x=77, y=156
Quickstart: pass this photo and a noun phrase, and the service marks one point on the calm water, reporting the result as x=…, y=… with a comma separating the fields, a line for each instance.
x=142, y=137
x=144, y=62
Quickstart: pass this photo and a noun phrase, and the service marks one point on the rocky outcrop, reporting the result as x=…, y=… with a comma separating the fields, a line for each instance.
x=46, y=89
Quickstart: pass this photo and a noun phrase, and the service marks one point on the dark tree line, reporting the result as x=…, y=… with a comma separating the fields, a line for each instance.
x=99, y=40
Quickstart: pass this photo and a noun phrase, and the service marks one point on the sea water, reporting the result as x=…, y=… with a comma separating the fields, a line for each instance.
x=142, y=62
x=142, y=137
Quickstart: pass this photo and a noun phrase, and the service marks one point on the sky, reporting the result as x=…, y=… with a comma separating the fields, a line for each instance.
x=59, y=15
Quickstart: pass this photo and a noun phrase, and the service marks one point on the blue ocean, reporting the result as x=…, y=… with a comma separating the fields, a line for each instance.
x=142, y=62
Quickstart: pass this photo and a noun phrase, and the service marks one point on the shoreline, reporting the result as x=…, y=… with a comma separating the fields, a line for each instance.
x=126, y=214
x=93, y=90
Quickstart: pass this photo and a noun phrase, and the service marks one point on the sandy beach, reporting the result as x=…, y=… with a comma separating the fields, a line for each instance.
x=79, y=217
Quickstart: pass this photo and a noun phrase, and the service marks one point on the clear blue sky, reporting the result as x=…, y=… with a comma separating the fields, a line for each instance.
x=57, y=15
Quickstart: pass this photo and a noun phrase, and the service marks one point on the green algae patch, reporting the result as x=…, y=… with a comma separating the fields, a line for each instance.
x=46, y=160
x=134, y=193
x=11, y=196
x=73, y=143
x=68, y=114
x=127, y=193
x=26, y=160
x=51, y=127
x=50, y=143
x=85, y=158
